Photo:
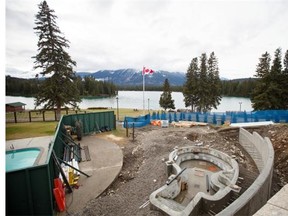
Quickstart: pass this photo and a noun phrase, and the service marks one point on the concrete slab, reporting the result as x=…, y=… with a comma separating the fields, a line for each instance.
x=280, y=199
x=269, y=209
x=277, y=205
x=104, y=167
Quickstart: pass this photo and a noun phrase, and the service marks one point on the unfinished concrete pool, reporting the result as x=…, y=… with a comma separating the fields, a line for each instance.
x=195, y=173
x=205, y=181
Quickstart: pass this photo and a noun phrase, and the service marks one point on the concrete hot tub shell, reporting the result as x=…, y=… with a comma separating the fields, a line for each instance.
x=195, y=174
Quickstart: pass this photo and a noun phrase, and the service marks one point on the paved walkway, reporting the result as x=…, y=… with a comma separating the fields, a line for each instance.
x=105, y=165
x=277, y=205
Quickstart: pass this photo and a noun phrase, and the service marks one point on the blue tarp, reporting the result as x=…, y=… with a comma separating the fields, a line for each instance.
x=213, y=118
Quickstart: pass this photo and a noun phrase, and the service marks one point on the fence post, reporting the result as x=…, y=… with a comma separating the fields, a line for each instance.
x=29, y=116
x=55, y=115
x=133, y=132
x=15, y=117
x=43, y=114
x=126, y=128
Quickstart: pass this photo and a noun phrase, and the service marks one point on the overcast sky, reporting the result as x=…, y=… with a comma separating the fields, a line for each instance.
x=159, y=34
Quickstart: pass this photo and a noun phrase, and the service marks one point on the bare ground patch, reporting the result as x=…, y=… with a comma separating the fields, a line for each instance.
x=144, y=170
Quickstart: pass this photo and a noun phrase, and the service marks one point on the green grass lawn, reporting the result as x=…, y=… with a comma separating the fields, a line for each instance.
x=36, y=129
x=31, y=129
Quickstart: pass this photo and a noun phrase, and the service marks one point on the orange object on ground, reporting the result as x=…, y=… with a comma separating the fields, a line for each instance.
x=60, y=200
x=58, y=184
x=59, y=194
x=156, y=123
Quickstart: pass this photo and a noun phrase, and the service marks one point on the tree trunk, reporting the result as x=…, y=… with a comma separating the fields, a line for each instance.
x=58, y=112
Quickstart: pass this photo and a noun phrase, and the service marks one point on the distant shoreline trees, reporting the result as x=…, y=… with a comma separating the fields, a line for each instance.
x=29, y=87
x=87, y=87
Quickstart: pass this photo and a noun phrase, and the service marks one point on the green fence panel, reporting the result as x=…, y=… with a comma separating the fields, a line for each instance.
x=41, y=190
x=30, y=191
x=17, y=198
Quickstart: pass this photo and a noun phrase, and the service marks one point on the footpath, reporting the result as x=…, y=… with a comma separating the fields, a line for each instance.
x=104, y=167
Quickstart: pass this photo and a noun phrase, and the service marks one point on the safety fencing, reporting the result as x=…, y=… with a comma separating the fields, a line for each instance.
x=219, y=118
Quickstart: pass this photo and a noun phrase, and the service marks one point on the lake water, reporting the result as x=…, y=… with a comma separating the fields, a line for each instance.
x=134, y=100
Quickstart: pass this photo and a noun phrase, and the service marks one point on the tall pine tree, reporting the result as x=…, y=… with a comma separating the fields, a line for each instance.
x=203, y=85
x=59, y=88
x=284, y=81
x=214, y=82
x=190, y=89
x=166, y=101
x=271, y=90
x=260, y=98
x=202, y=89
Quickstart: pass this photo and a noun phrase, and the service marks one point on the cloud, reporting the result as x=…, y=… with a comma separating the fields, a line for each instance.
x=165, y=35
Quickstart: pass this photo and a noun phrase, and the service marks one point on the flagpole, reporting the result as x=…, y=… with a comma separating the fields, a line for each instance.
x=143, y=74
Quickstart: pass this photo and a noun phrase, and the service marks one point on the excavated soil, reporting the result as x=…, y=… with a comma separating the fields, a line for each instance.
x=144, y=168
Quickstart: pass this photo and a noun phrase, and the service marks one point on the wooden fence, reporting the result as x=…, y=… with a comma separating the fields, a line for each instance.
x=37, y=115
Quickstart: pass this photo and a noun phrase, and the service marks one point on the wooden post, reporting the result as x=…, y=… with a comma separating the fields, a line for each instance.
x=133, y=132
x=43, y=114
x=15, y=117
x=55, y=115
x=30, y=116
x=126, y=123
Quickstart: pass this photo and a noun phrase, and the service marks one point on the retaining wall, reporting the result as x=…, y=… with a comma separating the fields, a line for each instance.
x=262, y=152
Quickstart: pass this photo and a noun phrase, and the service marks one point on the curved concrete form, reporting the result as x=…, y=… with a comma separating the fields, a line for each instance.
x=188, y=185
x=262, y=152
x=219, y=196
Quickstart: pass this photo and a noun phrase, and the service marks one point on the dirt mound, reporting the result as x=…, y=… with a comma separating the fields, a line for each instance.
x=144, y=168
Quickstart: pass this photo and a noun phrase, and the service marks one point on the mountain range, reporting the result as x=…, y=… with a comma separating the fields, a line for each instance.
x=132, y=77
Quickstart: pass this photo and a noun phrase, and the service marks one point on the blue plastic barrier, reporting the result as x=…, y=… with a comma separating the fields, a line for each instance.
x=212, y=118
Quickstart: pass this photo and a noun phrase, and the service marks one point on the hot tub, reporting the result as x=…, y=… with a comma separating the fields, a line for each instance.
x=196, y=175
x=22, y=158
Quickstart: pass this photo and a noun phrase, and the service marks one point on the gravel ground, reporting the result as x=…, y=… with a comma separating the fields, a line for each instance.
x=144, y=168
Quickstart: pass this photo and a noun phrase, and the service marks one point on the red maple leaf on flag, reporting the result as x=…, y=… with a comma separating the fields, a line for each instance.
x=147, y=71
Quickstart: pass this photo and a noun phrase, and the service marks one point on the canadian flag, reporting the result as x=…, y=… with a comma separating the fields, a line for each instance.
x=147, y=71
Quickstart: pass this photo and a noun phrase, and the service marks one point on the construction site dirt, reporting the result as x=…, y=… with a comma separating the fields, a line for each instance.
x=144, y=163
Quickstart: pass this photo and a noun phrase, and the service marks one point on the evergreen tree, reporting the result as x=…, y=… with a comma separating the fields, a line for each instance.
x=60, y=88
x=214, y=82
x=285, y=70
x=284, y=81
x=203, y=85
x=202, y=89
x=166, y=101
x=271, y=90
x=190, y=90
x=275, y=89
x=259, y=96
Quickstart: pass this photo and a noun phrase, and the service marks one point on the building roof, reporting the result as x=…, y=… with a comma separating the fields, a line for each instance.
x=16, y=104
